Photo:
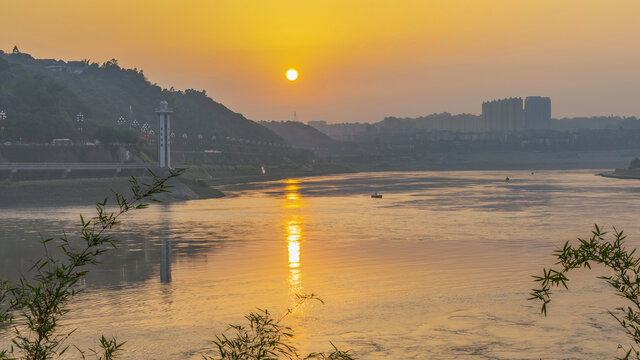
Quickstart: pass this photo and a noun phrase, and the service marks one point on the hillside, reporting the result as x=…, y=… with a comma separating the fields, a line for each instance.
x=41, y=98
x=299, y=134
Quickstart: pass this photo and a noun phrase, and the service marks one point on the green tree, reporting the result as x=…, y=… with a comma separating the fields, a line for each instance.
x=31, y=309
x=110, y=135
x=625, y=279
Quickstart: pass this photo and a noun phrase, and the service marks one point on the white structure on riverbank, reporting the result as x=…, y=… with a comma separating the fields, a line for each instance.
x=164, y=144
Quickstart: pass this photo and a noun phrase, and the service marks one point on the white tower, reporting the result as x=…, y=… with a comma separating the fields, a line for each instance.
x=163, y=144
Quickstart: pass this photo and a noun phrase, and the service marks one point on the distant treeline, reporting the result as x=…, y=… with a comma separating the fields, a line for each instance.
x=445, y=123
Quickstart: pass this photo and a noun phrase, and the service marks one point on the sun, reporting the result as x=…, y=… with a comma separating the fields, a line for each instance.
x=292, y=74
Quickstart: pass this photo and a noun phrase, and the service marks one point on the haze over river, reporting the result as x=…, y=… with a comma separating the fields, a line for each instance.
x=439, y=268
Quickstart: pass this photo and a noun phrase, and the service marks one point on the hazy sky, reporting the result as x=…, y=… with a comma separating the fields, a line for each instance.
x=357, y=60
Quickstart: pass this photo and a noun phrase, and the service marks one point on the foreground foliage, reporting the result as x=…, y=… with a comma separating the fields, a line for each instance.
x=267, y=338
x=32, y=308
x=625, y=279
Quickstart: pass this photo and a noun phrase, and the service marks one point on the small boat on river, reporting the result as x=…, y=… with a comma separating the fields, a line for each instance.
x=375, y=195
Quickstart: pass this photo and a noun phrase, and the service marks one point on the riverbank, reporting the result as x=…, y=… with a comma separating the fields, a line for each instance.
x=190, y=185
x=631, y=174
x=204, y=181
x=515, y=160
x=68, y=192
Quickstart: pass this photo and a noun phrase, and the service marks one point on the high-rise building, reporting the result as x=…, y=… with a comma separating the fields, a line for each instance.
x=537, y=112
x=505, y=115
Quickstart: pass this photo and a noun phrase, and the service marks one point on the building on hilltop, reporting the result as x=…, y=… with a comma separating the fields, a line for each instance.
x=505, y=115
x=537, y=112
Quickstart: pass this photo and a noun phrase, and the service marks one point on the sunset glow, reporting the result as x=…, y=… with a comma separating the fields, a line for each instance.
x=403, y=58
x=387, y=178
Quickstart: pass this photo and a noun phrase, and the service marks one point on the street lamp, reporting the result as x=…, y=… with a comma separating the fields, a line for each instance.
x=80, y=120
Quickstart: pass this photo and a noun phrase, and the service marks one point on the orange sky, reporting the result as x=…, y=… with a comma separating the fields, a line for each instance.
x=357, y=60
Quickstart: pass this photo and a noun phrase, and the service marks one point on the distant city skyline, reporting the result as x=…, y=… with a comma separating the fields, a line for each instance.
x=359, y=61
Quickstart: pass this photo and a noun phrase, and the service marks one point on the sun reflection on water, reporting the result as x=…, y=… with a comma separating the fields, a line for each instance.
x=292, y=195
x=293, y=246
x=293, y=234
x=293, y=241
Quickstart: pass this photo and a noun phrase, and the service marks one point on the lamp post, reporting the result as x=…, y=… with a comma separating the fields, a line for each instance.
x=3, y=117
x=80, y=121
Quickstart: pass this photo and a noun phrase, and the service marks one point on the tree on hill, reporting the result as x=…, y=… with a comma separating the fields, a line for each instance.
x=42, y=104
x=38, y=108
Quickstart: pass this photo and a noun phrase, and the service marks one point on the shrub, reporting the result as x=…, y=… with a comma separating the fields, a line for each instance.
x=32, y=308
x=267, y=338
x=625, y=279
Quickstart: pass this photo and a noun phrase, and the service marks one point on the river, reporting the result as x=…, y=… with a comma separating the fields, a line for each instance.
x=439, y=268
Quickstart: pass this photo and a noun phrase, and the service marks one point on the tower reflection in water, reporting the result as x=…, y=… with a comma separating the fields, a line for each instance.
x=292, y=206
x=165, y=260
x=165, y=251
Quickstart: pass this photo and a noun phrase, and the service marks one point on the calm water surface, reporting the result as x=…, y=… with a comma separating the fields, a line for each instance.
x=437, y=269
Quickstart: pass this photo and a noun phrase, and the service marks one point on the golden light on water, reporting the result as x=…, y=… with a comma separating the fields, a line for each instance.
x=292, y=194
x=293, y=233
x=293, y=241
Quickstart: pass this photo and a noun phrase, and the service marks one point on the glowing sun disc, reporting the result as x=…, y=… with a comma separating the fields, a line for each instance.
x=292, y=74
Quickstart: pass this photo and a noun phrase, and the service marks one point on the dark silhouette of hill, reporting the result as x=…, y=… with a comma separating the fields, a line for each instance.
x=299, y=134
x=42, y=97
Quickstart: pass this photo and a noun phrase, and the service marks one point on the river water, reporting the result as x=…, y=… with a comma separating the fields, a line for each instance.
x=439, y=268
